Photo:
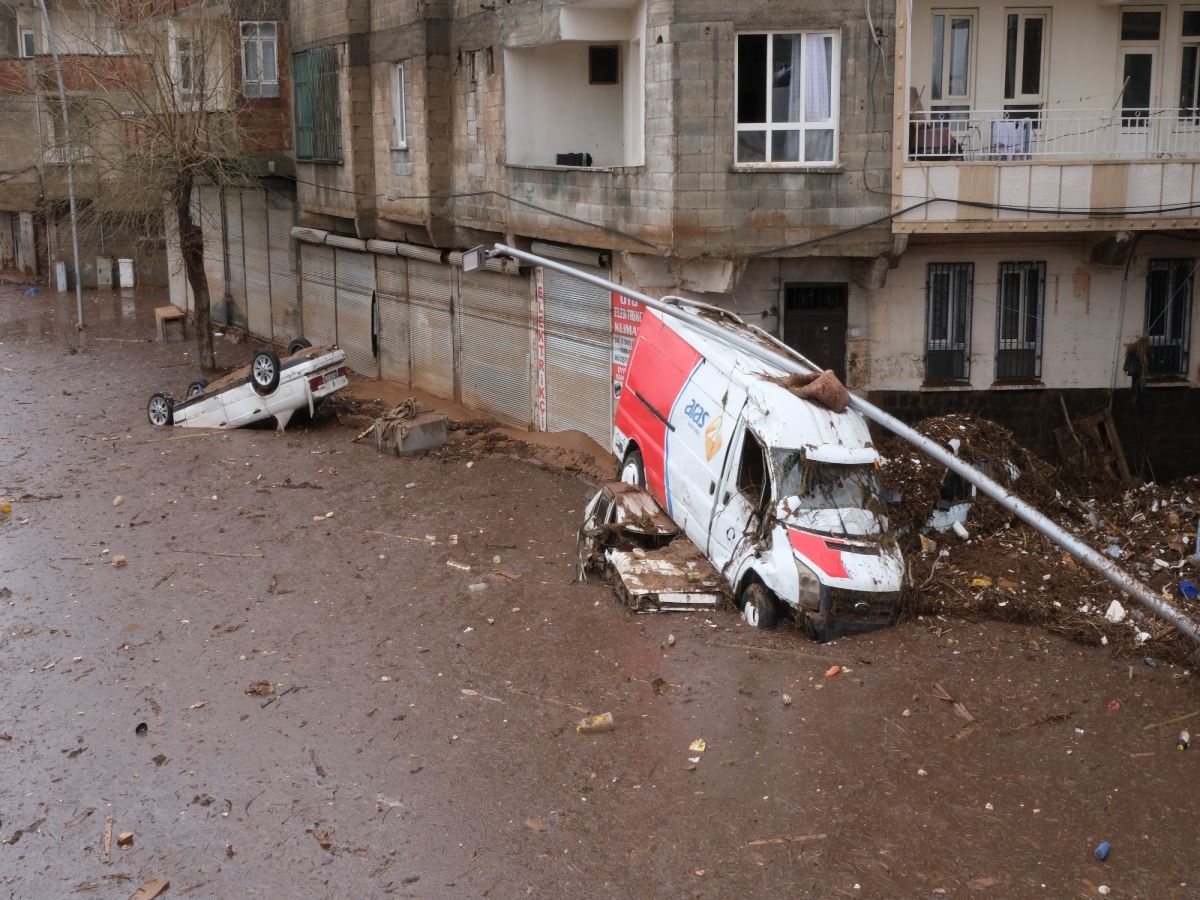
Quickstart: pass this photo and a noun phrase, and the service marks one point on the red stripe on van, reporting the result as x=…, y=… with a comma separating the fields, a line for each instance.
x=816, y=550
x=659, y=367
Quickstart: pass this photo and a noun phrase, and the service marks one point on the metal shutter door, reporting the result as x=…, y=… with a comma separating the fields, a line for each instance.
x=431, y=338
x=391, y=293
x=494, y=344
x=237, y=269
x=285, y=310
x=316, y=286
x=258, y=265
x=177, y=286
x=212, y=224
x=355, y=310
x=578, y=319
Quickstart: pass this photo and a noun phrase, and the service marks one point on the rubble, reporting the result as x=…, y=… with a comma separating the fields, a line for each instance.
x=1007, y=570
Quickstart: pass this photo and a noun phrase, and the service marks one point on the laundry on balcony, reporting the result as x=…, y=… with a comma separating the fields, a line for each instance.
x=1010, y=139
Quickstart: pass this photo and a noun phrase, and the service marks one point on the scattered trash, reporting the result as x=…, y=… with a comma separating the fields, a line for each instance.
x=1184, y=740
x=1102, y=850
x=5, y=505
x=832, y=671
x=1115, y=612
x=260, y=688
x=118, y=500
x=533, y=823
x=961, y=530
x=979, y=581
x=595, y=724
x=141, y=729
x=119, y=561
x=670, y=640
x=199, y=704
x=1114, y=550
x=229, y=851
x=160, y=759
x=1104, y=890
x=125, y=839
x=1150, y=661
x=150, y=889
x=922, y=773
x=698, y=746
x=928, y=545
x=106, y=841
x=1189, y=589
x=478, y=587
x=787, y=699
x=1114, y=705
x=462, y=567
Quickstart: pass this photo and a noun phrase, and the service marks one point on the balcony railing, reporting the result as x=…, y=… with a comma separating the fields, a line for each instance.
x=59, y=156
x=1087, y=134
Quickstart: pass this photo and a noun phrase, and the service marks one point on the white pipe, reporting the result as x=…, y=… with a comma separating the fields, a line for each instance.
x=770, y=350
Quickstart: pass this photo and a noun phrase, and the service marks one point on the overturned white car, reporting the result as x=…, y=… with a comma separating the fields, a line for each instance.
x=266, y=388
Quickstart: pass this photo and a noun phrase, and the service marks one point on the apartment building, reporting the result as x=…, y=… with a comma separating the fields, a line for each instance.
x=1046, y=189
x=738, y=153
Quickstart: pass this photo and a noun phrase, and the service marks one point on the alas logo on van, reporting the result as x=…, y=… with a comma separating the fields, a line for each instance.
x=713, y=438
x=696, y=413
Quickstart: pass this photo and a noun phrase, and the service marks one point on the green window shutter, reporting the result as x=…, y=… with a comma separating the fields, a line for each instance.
x=315, y=80
x=303, y=100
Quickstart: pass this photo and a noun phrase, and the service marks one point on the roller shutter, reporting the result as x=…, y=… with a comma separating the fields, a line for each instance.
x=578, y=322
x=285, y=310
x=212, y=223
x=237, y=268
x=258, y=264
x=317, y=295
x=494, y=340
x=356, y=310
x=431, y=332
x=391, y=296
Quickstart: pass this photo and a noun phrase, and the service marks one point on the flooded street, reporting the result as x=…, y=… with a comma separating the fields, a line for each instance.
x=417, y=734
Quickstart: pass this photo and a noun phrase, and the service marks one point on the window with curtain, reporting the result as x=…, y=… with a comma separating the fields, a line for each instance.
x=953, y=47
x=260, y=71
x=787, y=98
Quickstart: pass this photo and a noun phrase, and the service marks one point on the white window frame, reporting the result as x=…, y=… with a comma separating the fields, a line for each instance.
x=770, y=126
x=266, y=88
x=28, y=32
x=1186, y=41
x=193, y=49
x=1151, y=48
x=947, y=98
x=1024, y=15
x=399, y=132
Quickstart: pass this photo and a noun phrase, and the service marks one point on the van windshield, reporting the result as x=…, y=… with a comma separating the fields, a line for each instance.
x=812, y=485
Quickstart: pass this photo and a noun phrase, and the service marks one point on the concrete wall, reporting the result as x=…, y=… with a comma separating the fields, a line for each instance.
x=1086, y=323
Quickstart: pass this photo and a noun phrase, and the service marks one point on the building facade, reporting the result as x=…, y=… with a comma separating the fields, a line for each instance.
x=1046, y=190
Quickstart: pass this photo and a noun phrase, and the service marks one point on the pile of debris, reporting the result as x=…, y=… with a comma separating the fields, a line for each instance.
x=968, y=556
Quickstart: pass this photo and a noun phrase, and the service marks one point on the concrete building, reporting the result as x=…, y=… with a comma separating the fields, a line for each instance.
x=699, y=147
x=1047, y=197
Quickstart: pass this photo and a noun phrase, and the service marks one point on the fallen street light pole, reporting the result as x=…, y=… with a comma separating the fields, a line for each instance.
x=770, y=350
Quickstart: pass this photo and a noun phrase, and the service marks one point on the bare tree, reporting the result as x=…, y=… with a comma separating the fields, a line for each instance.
x=153, y=97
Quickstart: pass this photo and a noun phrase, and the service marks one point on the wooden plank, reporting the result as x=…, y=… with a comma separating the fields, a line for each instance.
x=150, y=889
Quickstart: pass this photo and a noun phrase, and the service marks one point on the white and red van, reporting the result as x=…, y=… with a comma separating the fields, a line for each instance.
x=780, y=493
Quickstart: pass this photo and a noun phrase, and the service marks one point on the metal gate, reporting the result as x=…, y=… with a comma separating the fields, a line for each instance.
x=391, y=297
x=257, y=262
x=578, y=319
x=431, y=333
x=356, y=310
x=317, y=294
x=285, y=310
x=236, y=298
x=494, y=340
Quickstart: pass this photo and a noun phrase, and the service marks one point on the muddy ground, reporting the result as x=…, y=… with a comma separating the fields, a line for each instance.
x=418, y=738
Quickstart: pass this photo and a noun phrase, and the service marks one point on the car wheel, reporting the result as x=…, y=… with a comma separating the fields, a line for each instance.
x=196, y=388
x=633, y=471
x=758, y=606
x=299, y=344
x=264, y=371
x=160, y=410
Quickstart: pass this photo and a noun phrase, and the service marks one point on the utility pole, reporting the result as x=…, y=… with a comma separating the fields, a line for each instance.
x=70, y=155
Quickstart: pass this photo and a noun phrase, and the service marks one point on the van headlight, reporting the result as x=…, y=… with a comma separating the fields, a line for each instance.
x=810, y=588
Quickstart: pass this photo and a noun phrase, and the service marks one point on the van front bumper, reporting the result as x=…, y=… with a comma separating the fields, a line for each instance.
x=852, y=612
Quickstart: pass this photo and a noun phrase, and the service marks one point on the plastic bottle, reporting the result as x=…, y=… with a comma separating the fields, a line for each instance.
x=1102, y=850
x=1184, y=740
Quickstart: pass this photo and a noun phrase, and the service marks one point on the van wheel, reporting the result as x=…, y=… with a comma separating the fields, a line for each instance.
x=633, y=471
x=758, y=606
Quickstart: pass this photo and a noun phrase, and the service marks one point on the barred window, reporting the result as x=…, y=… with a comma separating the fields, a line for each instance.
x=1168, y=314
x=949, y=293
x=1020, y=313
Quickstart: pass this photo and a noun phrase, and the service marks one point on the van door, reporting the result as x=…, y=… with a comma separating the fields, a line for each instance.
x=742, y=495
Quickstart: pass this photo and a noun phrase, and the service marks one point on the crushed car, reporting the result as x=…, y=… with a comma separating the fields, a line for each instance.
x=771, y=476
x=631, y=543
x=267, y=387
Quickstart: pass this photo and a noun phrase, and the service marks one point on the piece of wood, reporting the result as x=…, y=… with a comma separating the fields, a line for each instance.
x=150, y=889
x=109, y=821
x=798, y=839
x=403, y=537
x=1174, y=721
x=215, y=553
x=182, y=437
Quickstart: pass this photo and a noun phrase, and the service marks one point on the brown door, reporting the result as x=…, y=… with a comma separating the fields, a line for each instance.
x=814, y=322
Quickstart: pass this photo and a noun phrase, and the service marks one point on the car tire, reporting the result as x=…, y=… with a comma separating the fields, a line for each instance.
x=160, y=410
x=264, y=371
x=633, y=470
x=759, y=609
x=299, y=344
x=196, y=388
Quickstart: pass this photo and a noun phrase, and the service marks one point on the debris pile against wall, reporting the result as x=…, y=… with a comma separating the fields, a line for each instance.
x=1003, y=569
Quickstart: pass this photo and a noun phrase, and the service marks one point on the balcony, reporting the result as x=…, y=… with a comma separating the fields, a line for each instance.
x=60, y=156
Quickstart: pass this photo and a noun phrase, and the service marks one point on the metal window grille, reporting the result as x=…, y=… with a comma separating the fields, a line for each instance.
x=1168, y=315
x=949, y=296
x=1019, y=316
x=318, y=108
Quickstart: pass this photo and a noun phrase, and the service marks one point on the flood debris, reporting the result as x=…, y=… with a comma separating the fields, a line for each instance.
x=260, y=689
x=150, y=889
x=125, y=839
x=595, y=724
